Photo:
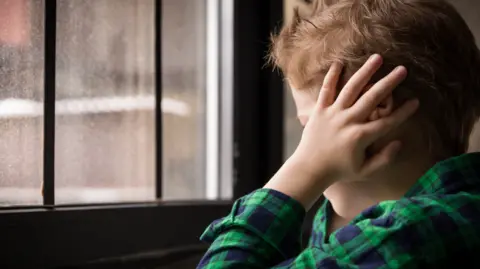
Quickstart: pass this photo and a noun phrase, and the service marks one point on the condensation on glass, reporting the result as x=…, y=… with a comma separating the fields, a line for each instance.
x=184, y=82
x=105, y=100
x=21, y=96
x=105, y=141
x=105, y=104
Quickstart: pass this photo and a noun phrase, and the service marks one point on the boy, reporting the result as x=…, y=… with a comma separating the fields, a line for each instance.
x=400, y=192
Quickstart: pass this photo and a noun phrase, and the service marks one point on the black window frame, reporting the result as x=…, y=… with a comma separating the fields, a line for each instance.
x=52, y=236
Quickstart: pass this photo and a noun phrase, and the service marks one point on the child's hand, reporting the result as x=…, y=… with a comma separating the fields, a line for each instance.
x=338, y=132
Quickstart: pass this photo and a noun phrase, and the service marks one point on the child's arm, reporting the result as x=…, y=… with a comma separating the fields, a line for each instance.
x=264, y=231
x=264, y=228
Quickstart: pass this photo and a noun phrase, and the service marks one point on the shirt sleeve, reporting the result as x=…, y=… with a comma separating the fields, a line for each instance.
x=264, y=231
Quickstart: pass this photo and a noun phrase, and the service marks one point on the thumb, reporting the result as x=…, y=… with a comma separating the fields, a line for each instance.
x=382, y=159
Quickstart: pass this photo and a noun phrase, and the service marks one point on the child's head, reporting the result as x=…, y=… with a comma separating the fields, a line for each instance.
x=428, y=37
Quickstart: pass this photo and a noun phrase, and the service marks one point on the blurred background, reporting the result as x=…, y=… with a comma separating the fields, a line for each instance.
x=227, y=121
x=105, y=100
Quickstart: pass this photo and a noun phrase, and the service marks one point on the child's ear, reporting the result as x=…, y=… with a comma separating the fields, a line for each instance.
x=383, y=109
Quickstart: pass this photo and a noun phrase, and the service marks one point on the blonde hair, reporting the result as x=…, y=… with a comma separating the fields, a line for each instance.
x=429, y=37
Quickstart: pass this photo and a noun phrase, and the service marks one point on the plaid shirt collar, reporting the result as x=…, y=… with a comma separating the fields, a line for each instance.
x=461, y=173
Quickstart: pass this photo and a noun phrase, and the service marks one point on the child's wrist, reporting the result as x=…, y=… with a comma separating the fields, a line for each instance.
x=320, y=171
x=297, y=179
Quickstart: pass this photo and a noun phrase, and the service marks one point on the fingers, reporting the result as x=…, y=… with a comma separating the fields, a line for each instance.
x=377, y=93
x=382, y=159
x=357, y=82
x=329, y=87
x=376, y=129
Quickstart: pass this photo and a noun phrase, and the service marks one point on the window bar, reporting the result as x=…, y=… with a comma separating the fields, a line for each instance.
x=49, y=104
x=227, y=151
x=212, y=99
x=158, y=97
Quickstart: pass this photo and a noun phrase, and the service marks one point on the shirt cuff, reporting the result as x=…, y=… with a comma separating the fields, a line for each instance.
x=268, y=214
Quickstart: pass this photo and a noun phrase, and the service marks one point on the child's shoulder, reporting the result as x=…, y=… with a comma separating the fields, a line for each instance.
x=462, y=208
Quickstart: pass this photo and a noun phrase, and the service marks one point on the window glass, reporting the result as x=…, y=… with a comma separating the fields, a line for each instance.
x=105, y=101
x=184, y=85
x=21, y=97
x=105, y=142
x=105, y=104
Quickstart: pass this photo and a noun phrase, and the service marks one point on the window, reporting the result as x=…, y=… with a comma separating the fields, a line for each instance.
x=105, y=101
x=21, y=96
x=136, y=117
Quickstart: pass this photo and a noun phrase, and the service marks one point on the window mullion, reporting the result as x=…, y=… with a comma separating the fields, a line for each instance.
x=49, y=103
x=158, y=98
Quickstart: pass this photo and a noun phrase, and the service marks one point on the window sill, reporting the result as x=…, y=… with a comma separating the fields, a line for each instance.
x=73, y=235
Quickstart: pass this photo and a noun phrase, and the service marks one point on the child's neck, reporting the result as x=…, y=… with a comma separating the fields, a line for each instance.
x=349, y=199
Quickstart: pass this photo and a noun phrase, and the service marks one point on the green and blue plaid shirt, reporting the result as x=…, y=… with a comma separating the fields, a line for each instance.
x=435, y=225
